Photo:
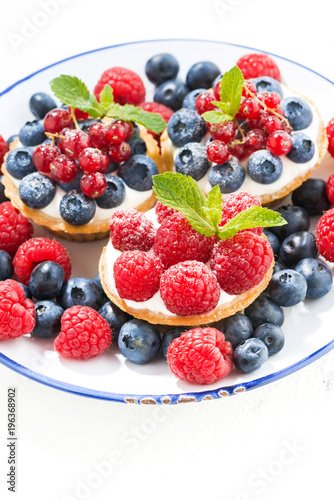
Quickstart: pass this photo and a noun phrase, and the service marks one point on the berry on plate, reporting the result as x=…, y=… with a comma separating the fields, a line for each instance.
x=139, y=341
x=254, y=65
x=200, y=356
x=325, y=235
x=17, y=314
x=15, y=229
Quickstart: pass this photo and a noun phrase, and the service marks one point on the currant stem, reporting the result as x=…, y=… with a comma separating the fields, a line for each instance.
x=265, y=107
x=239, y=128
x=52, y=136
x=74, y=119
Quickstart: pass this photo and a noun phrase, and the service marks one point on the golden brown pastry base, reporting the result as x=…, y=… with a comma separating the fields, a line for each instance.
x=91, y=231
x=322, y=143
x=236, y=304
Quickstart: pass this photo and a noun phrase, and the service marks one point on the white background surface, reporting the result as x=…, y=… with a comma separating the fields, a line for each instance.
x=269, y=443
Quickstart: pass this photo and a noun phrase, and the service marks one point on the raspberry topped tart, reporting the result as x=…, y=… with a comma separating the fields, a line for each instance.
x=193, y=260
x=69, y=169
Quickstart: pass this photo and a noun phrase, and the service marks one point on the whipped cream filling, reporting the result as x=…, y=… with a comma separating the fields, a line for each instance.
x=290, y=171
x=155, y=303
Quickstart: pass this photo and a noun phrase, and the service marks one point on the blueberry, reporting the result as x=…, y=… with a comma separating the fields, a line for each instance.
x=3, y=197
x=272, y=336
x=37, y=190
x=202, y=74
x=137, y=172
x=311, y=195
x=11, y=139
x=302, y=148
x=76, y=208
x=46, y=280
x=189, y=100
x=217, y=79
x=192, y=160
x=19, y=162
x=32, y=133
x=267, y=84
x=277, y=267
x=115, y=317
x=169, y=336
x=296, y=247
x=113, y=166
x=161, y=67
x=264, y=310
x=81, y=291
x=136, y=131
x=40, y=104
x=273, y=240
x=186, y=126
x=75, y=184
x=26, y=290
x=318, y=277
x=97, y=280
x=297, y=111
x=139, y=341
x=264, y=167
x=137, y=145
x=48, y=319
x=229, y=176
x=6, y=266
x=287, y=288
x=171, y=94
x=237, y=328
x=297, y=220
x=250, y=355
x=114, y=194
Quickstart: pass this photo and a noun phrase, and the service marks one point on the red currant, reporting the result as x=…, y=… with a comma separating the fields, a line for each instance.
x=93, y=160
x=280, y=111
x=258, y=122
x=128, y=127
x=98, y=135
x=93, y=184
x=216, y=91
x=63, y=169
x=43, y=155
x=217, y=152
x=250, y=108
x=203, y=102
x=119, y=152
x=80, y=115
x=225, y=132
x=255, y=139
x=271, y=124
x=116, y=133
x=250, y=86
x=56, y=120
x=74, y=142
x=279, y=143
x=240, y=151
x=271, y=99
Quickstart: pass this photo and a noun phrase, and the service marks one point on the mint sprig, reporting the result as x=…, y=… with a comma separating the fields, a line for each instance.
x=204, y=213
x=231, y=85
x=74, y=93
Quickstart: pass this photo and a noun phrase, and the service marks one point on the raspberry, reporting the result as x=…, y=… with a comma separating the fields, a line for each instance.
x=176, y=241
x=137, y=275
x=189, y=288
x=126, y=84
x=131, y=230
x=37, y=250
x=162, y=211
x=325, y=235
x=330, y=189
x=331, y=146
x=14, y=228
x=84, y=333
x=3, y=149
x=330, y=128
x=235, y=203
x=156, y=107
x=241, y=262
x=200, y=355
x=253, y=65
x=17, y=314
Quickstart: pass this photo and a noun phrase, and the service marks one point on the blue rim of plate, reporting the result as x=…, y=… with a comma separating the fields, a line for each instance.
x=184, y=397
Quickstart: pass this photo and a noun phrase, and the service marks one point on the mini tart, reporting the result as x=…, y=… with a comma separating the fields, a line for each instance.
x=321, y=143
x=231, y=306
x=93, y=230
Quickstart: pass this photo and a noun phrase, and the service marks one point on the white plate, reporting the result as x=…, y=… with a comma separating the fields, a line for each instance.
x=308, y=326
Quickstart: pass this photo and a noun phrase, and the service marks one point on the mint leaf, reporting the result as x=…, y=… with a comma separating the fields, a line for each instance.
x=73, y=92
x=152, y=121
x=183, y=193
x=252, y=217
x=106, y=98
x=214, y=206
x=231, y=89
x=216, y=117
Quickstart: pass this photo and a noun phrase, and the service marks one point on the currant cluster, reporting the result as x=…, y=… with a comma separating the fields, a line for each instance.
x=92, y=151
x=259, y=124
